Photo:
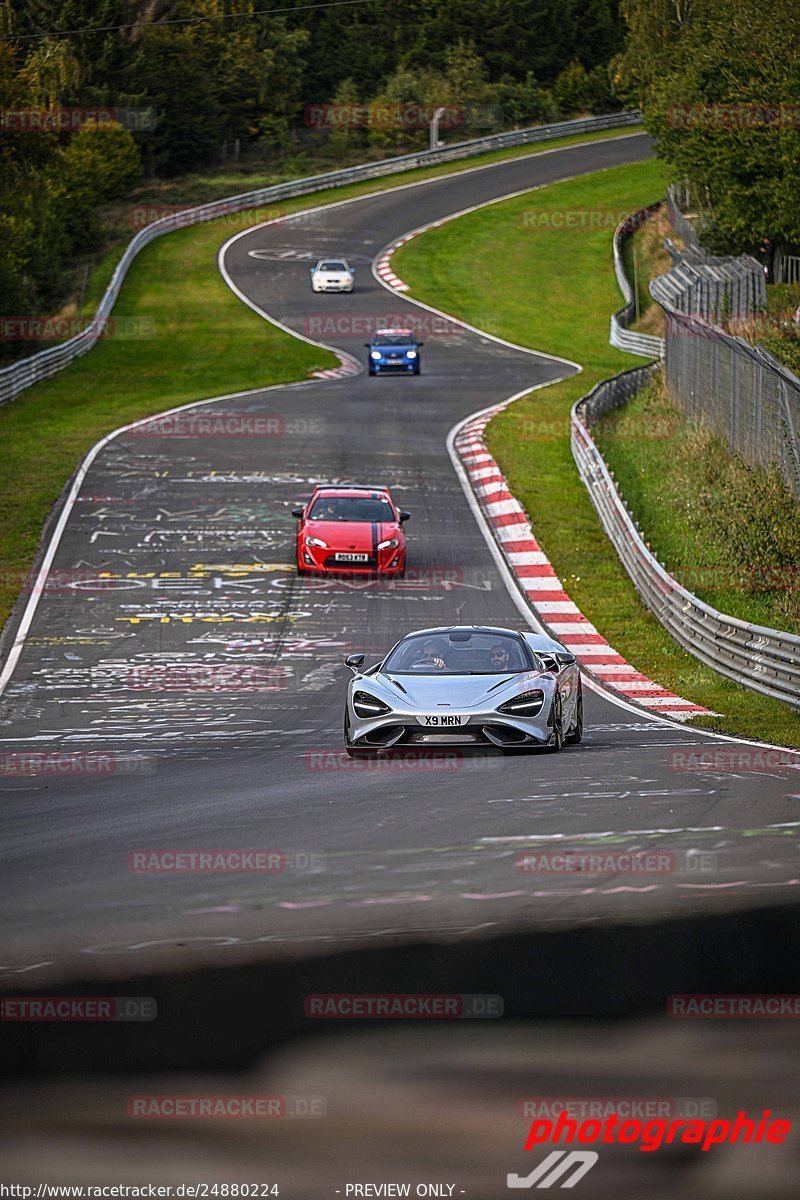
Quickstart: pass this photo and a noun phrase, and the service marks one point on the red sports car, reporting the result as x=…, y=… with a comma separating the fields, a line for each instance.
x=351, y=528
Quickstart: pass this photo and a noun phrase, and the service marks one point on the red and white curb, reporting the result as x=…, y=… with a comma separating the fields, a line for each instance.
x=543, y=589
x=383, y=265
x=349, y=366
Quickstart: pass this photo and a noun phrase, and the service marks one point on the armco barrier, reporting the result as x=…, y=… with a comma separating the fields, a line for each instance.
x=765, y=660
x=23, y=374
x=645, y=344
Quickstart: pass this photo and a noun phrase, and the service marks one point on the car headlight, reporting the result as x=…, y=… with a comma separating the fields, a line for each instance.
x=315, y=541
x=367, y=706
x=411, y=354
x=526, y=705
x=375, y=354
x=391, y=544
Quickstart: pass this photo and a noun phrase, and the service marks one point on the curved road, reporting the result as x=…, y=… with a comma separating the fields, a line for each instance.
x=154, y=667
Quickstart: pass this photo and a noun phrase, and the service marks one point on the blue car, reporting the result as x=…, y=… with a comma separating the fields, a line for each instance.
x=393, y=350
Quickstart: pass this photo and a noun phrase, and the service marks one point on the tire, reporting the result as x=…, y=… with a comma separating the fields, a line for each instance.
x=576, y=733
x=557, y=737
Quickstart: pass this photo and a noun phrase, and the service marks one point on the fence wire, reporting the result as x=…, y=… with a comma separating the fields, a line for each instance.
x=738, y=391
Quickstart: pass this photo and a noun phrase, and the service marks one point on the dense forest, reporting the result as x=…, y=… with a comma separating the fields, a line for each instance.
x=185, y=79
x=719, y=84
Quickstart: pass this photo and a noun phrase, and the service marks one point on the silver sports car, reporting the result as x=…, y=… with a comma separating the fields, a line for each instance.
x=465, y=685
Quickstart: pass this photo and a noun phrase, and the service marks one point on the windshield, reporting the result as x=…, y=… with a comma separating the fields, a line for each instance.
x=458, y=653
x=352, y=508
x=332, y=266
x=393, y=339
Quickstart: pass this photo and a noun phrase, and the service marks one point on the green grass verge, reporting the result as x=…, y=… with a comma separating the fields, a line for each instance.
x=553, y=290
x=728, y=532
x=204, y=342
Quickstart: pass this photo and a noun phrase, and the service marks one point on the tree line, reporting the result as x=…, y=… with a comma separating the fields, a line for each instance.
x=719, y=85
x=196, y=74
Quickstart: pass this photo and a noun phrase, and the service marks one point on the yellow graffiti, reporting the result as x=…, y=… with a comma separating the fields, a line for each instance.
x=168, y=618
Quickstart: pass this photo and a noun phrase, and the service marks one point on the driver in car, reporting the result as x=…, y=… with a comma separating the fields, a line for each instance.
x=499, y=657
x=433, y=653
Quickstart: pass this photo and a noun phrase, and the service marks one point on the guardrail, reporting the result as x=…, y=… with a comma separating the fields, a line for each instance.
x=646, y=344
x=765, y=660
x=23, y=374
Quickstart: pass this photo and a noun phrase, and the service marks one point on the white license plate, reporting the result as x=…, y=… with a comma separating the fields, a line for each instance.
x=352, y=558
x=443, y=720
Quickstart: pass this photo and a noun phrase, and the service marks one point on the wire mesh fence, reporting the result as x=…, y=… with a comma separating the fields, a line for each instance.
x=740, y=392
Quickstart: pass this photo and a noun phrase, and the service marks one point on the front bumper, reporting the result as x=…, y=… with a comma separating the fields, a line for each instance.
x=322, y=560
x=409, y=365
x=320, y=285
x=486, y=728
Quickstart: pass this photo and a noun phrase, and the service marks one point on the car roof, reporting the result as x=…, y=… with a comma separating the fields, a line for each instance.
x=349, y=489
x=332, y=258
x=441, y=630
x=409, y=333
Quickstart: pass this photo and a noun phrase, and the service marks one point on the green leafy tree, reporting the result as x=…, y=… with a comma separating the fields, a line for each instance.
x=712, y=78
x=571, y=90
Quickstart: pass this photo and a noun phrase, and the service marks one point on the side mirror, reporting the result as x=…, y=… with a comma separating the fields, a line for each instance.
x=297, y=512
x=404, y=516
x=550, y=663
x=312, y=269
x=565, y=658
x=355, y=662
x=367, y=345
x=420, y=343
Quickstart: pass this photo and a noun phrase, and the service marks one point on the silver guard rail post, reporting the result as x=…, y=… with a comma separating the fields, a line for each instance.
x=24, y=373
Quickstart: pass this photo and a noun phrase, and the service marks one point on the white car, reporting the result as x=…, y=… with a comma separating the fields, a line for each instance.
x=332, y=275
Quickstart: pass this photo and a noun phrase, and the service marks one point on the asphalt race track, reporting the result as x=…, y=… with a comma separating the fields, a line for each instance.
x=211, y=677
